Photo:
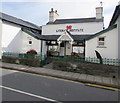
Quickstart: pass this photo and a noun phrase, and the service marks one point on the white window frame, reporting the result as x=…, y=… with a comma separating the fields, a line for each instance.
x=30, y=39
x=103, y=42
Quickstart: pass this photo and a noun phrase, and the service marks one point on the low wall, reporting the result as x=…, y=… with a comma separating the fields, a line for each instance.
x=87, y=68
x=23, y=61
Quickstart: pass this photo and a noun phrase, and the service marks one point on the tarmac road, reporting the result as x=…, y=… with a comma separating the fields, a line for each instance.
x=20, y=86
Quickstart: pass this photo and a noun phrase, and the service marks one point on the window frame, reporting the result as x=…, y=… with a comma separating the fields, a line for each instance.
x=104, y=42
x=30, y=42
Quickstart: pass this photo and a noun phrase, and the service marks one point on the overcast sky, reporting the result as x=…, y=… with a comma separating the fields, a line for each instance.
x=36, y=11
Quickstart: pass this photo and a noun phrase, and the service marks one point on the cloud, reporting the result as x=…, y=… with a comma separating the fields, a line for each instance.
x=37, y=11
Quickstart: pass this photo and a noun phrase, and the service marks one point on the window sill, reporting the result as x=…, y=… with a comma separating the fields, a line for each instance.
x=29, y=44
x=101, y=47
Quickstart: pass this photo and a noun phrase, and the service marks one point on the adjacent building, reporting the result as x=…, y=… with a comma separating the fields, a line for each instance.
x=0, y=39
x=107, y=41
x=17, y=36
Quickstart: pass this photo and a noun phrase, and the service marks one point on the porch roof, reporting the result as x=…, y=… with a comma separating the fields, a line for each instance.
x=80, y=37
x=55, y=37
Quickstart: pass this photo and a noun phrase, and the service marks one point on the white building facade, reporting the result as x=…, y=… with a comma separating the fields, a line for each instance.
x=105, y=43
x=78, y=28
x=16, y=38
x=19, y=41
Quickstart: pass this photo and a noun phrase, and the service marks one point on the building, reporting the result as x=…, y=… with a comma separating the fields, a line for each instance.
x=107, y=41
x=68, y=35
x=0, y=39
x=19, y=36
x=83, y=36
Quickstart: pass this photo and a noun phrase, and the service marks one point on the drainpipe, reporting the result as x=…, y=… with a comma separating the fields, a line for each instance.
x=65, y=48
x=41, y=46
x=84, y=47
x=59, y=42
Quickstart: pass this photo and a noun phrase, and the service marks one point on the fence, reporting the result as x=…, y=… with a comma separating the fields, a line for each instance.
x=104, y=60
x=115, y=62
x=23, y=55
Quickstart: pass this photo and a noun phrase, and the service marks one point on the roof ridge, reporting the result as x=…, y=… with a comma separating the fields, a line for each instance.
x=19, y=19
x=115, y=15
x=9, y=15
x=76, y=18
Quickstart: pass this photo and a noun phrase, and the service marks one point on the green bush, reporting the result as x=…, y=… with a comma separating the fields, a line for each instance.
x=61, y=65
x=23, y=61
x=87, y=68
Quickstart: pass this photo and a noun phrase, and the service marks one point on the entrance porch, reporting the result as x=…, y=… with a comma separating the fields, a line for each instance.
x=64, y=45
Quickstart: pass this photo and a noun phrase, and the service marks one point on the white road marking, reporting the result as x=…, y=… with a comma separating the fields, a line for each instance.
x=30, y=94
x=8, y=70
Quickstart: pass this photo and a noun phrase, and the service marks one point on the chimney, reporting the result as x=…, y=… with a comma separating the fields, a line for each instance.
x=99, y=12
x=119, y=3
x=53, y=15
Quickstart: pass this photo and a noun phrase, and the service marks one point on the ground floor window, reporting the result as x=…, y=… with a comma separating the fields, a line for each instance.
x=78, y=49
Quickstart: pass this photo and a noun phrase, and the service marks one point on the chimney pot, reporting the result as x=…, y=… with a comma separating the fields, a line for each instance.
x=51, y=9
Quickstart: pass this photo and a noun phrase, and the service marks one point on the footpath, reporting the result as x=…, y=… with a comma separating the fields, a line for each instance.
x=85, y=78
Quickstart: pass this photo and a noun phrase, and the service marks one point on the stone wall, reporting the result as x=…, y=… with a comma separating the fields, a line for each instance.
x=87, y=68
x=23, y=61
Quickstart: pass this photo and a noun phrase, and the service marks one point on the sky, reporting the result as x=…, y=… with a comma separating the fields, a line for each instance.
x=36, y=11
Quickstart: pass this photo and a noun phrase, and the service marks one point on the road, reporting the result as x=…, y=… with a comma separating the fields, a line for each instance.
x=20, y=86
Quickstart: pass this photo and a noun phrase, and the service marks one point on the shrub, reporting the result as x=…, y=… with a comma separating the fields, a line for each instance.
x=61, y=65
x=23, y=61
x=31, y=51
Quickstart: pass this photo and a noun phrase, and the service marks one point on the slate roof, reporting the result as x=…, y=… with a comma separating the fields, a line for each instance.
x=80, y=37
x=115, y=15
x=34, y=34
x=75, y=20
x=18, y=21
x=51, y=37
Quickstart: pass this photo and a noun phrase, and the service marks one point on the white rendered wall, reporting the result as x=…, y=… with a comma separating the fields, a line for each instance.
x=110, y=49
x=118, y=29
x=0, y=38
x=25, y=43
x=88, y=28
x=11, y=32
x=16, y=41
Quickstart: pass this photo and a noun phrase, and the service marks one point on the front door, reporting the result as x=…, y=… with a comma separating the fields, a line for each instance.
x=68, y=48
x=65, y=48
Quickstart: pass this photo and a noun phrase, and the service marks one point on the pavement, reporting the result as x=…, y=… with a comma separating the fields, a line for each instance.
x=98, y=81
